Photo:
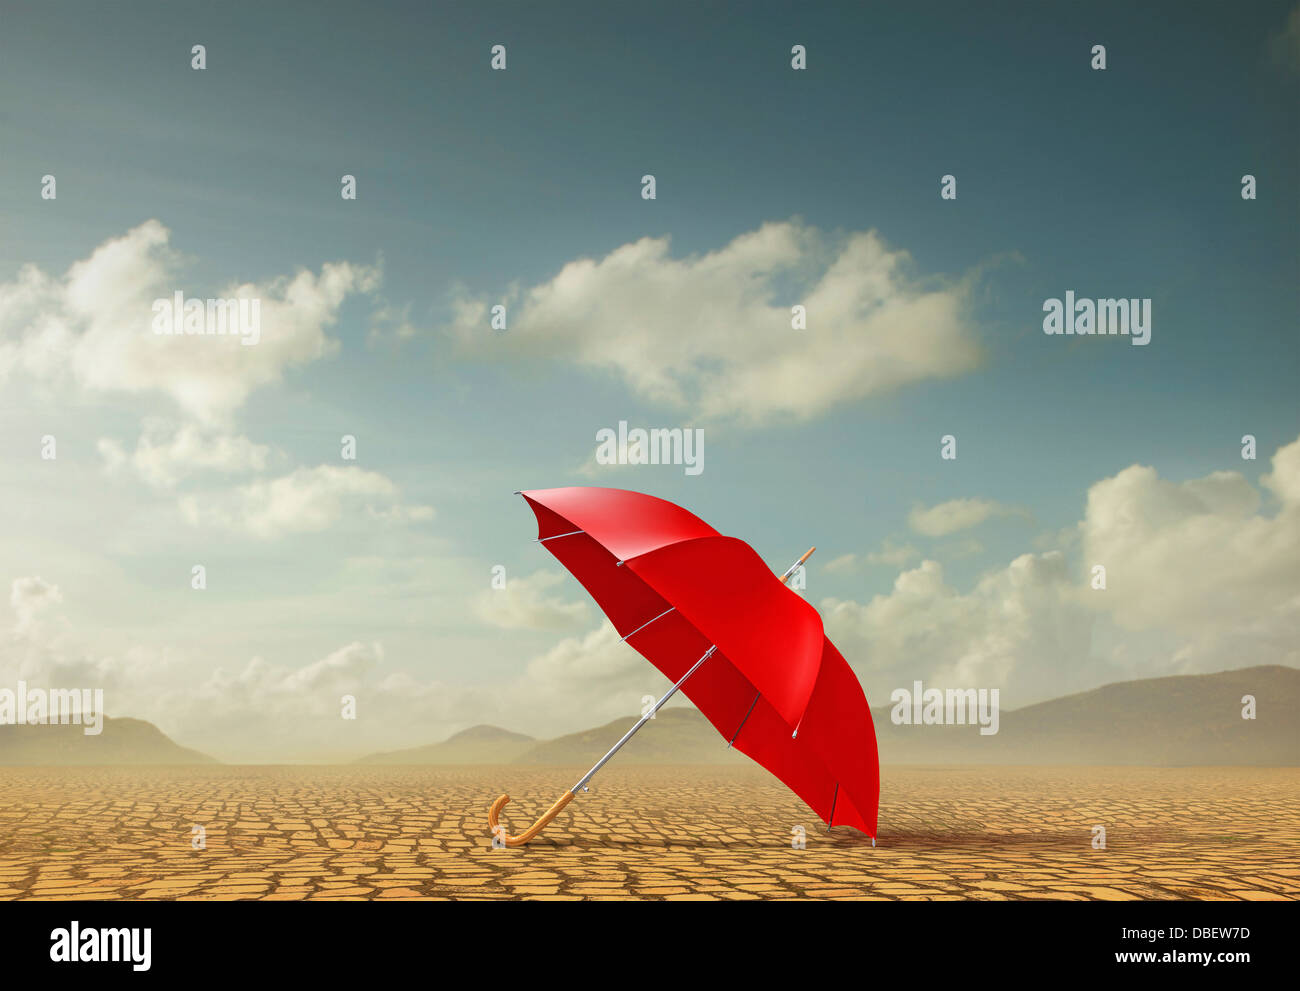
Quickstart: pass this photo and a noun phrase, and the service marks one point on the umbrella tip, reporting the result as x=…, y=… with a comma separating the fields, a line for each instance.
x=517, y=492
x=873, y=842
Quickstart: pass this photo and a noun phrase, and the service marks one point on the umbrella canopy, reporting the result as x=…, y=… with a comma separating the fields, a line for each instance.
x=773, y=685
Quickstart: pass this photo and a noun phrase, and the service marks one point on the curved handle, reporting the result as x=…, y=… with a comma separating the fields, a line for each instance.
x=532, y=830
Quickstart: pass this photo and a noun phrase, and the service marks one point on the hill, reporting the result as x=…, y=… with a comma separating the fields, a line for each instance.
x=476, y=745
x=123, y=741
x=1178, y=720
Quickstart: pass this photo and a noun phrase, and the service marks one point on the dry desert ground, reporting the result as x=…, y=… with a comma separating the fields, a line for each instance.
x=651, y=832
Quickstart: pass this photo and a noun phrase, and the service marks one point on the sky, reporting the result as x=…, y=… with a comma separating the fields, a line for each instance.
x=774, y=187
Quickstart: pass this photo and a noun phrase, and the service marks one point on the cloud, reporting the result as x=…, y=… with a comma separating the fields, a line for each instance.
x=845, y=564
x=257, y=711
x=712, y=333
x=1200, y=559
x=315, y=686
x=1198, y=579
x=92, y=327
x=586, y=680
x=1020, y=626
x=581, y=681
x=391, y=322
x=304, y=501
x=893, y=554
x=165, y=455
x=42, y=651
x=29, y=597
x=263, y=710
x=955, y=514
x=525, y=605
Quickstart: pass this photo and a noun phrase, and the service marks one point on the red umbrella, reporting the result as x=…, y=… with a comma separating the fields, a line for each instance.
x=749, y=652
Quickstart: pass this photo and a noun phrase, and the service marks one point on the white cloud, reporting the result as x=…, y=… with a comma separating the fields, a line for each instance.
x=92, y=327
x=1200, y=559
x=1021, y=626
x=29, y=597
x=955, y=514
x=893, y=554
x=586, y=681
x=265, y=711
x=1198, y=579
x=256, y=711
x=315, y=686
x=712, y=333
x=262, y=710
x=165, y=455
x=845, y=564
x=391, y=322
x=303, y=501
x=524, y=604
x=42, y=651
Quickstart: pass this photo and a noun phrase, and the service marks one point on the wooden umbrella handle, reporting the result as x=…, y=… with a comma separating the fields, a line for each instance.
x=532, y=830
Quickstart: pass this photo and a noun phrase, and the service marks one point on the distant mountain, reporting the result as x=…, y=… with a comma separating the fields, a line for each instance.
x=476, y=745
x=122, y=741
x=1178, y=720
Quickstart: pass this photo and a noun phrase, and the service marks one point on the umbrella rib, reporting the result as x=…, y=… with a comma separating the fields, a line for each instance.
x=648, y=622
x=745, y=720
x=833, y=803
x=556, y=536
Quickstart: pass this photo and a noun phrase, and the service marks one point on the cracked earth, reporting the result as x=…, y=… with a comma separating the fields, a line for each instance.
x=645, y=832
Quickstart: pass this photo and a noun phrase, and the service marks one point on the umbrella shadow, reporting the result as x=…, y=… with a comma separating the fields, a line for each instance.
x=978, y=835
x=912, y=838
x=685, y=843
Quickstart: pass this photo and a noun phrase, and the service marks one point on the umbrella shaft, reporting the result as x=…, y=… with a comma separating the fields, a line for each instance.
x=642, y=721
x=795, y=567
